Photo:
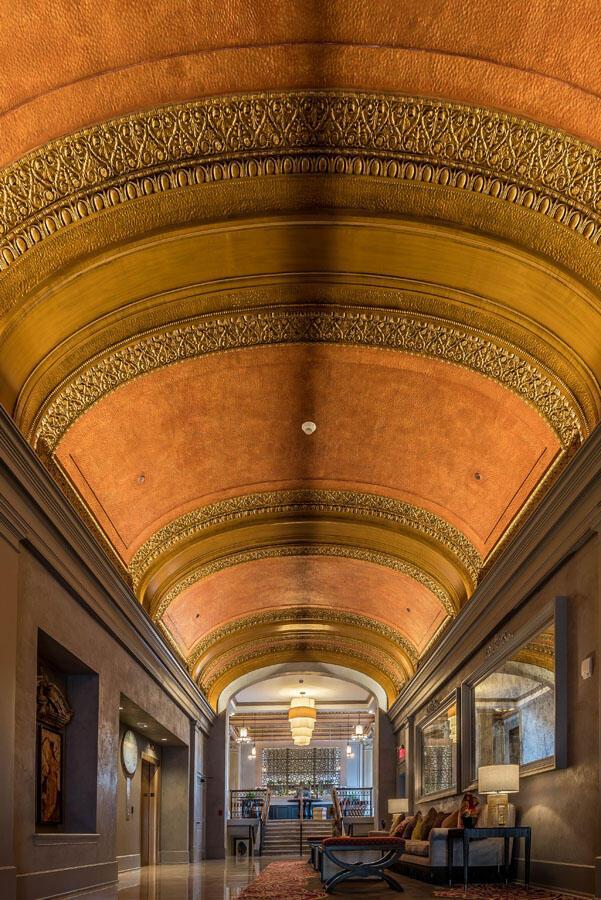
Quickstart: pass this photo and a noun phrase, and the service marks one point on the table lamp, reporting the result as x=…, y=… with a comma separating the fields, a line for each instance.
x=498, y=782
x=397, y=805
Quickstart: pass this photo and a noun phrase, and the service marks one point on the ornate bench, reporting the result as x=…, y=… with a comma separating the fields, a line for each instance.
x=342, y=858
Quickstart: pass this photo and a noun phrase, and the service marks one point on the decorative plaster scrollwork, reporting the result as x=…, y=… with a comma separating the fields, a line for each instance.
x=263, y=134
x=498, y=641
x=301, y=614
x=336, y=550
x=364, y=505
x=429, y=337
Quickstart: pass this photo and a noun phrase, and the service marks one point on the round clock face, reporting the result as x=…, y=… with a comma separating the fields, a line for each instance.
x=129, y=753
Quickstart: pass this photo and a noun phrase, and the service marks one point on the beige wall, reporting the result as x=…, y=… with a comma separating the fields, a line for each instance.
x=562, y=805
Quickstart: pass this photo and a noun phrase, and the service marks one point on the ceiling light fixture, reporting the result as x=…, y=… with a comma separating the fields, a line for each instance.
x=309, y=427
x=302, y=716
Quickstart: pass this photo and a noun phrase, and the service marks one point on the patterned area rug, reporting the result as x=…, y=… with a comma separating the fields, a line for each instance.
x=500, y=892
x=284, y=881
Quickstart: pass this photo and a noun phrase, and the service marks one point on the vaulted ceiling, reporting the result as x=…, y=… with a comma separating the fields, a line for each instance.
x=218, y=224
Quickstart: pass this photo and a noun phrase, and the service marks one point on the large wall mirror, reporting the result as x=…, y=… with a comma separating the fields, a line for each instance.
x=514, y=707
x=517, y=702
x=438, y=751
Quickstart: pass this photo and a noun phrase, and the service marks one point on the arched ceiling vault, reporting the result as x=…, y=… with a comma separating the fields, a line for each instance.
x=182, y=287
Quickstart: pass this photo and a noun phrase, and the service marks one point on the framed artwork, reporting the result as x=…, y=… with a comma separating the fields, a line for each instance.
x=50, y=776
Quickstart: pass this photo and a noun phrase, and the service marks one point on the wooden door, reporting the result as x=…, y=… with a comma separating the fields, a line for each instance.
x=149, y=814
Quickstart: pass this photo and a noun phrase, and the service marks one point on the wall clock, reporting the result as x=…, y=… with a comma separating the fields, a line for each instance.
x=130, y=755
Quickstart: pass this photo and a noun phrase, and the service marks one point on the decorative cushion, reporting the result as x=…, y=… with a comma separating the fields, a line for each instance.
x=396, y=821
x=440, y=817
x=428, y=823
x=416, y=834
x=400, y=829
x=363, y=841
x=409, y=826
x=451, y=820
x=417, y=848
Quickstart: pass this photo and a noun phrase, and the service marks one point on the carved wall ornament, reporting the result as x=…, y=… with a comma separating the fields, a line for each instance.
x=423, y=336
x=264, y=134
x=52, y=706
x=498, y=641
x=337, y=550
x=301, y=614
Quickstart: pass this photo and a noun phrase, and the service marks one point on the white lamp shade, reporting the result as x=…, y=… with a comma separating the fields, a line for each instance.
x=398, y=805
x=499, y=779
x=301, y=722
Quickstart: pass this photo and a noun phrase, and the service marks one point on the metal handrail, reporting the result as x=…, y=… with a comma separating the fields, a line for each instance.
x=264, y=818
x=355, y=802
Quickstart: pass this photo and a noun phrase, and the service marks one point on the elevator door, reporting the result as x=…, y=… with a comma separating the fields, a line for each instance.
x=149, y=814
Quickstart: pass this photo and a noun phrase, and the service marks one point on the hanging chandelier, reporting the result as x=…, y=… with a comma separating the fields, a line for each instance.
x=301, y=717
x=243, y=736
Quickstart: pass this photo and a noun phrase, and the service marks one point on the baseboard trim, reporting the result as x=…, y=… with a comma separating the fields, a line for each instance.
x=128, y=861
x=172, y=857
x=578, y=878
x=62, y=882
x=8, y=882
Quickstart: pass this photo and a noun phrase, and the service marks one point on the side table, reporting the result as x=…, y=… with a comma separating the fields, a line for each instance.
x=475, y=834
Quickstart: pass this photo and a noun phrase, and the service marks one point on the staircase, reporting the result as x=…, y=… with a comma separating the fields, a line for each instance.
x=282, y=836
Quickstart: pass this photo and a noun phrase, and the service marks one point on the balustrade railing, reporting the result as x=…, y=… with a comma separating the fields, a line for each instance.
x=355, y=802
x=247, y=804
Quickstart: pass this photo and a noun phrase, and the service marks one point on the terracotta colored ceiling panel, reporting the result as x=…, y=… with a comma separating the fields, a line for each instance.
x=535, y=60
x=434, y=434
x=344, y=584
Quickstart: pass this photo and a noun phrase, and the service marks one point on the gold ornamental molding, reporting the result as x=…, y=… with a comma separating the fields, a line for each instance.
x=298, y=615
x=266, y=134
x=328, y=550
x=358, y=654
x=428, y=336
x=233, y=510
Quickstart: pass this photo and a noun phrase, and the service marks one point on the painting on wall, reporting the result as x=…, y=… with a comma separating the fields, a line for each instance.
x=50, y=776
x=53, y=716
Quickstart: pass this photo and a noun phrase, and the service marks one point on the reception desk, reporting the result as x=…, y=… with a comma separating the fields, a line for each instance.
x=289, y=807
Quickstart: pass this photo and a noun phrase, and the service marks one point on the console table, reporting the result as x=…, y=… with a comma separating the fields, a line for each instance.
x=475, y=834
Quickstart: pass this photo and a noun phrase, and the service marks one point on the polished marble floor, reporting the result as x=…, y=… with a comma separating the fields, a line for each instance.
x=225, y=880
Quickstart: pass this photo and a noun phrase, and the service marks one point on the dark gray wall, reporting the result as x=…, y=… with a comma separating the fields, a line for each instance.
x=215, y=761
x=564, y=845
x=386, y=776
x=174, y=833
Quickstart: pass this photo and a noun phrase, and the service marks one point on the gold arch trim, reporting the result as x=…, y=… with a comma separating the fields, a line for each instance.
x=305, y=645
x=298, y=616
x=425, y=336
x=374, y=506
x=296, y=132
x=328, y=550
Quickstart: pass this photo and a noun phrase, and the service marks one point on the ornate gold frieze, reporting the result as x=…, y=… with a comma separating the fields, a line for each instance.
x=279, y=551
x=357, y=650
x=425, y=336
x=339, y=132
x=300, y=614
x=234, y=509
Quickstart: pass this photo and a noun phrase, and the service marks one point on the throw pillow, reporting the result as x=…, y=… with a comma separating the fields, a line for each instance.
x=417, y=831
x=451, y=820
x=429, y=823
x=396, y=821
x=440, y=817
x=409, y=826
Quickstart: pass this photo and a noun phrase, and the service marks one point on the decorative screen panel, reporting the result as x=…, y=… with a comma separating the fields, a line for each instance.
x=315, y=767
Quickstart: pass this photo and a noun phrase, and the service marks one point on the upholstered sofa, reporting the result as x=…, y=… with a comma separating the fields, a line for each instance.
x=429, y=859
